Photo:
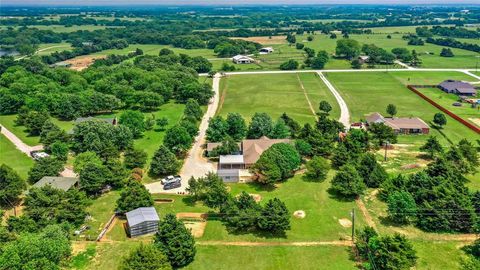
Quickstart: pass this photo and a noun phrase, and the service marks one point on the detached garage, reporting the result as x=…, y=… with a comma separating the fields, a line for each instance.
x=142, y=221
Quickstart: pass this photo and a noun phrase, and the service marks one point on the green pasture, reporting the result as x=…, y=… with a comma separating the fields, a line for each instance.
x=273, y=94
x=154, y=49
x=12, y=157
x=49, y=48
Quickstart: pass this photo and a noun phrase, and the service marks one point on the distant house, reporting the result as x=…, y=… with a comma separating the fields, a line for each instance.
x=458, y=88
x=234, y=168
x=266, y=50
x=363, y=58
x=142, y=221
x=412, y=125
x=63, y=183
x=242, y=59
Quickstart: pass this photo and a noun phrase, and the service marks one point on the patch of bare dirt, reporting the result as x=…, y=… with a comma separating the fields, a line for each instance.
x=475, y=121
x=78, y=247
x=366, y=215
x=186, y=215
x=196, y=227
x=81, y=63
x=345, y=222
x=266, y=39
x=411, y=166
x=160, y=201
x=299, y=214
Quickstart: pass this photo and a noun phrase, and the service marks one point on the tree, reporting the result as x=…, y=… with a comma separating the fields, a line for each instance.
x=133, y=196
x=217, y=129
x=348, y=48
x=382, y=133
x=439, y=119
x=210, y=189
x=148, y=101
x=162, y=122
x=356, y=64
x=317, y=169
x=93, y=178
x=47, y=166
x=325, y=107
x=46, y=250
x=291, y=38
x=401, y=207
x=135, y=121
x=237, y=128
x=277, y=163
x=178, y=140
x=261, y=125
x=392, y=252
x=35, y=121
x=145, y=257
x=59, y=150
x=51, y=133
x=163, y=162
x=280, y=130
x=415, y=62
x=373, y=174
x=289, y=65
x=134, y=158
x=11, y=186
x=84, y=158
x=432, y=147
x=241, y=213
x=391, y=110
x=175, y=241
x=348, y=182
x=446, y=52
x=192, y=109
x=227, y=147
x=299, y=46
x=274, y=217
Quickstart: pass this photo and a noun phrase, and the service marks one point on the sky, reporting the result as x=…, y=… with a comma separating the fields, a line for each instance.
x=220, y=2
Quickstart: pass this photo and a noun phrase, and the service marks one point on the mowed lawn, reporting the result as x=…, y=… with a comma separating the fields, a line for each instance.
x=370, y=92
x=12, y=157
x=273, y=94
x=154, y=49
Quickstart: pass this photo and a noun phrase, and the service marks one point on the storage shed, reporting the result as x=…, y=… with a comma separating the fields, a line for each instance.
x=142, y=221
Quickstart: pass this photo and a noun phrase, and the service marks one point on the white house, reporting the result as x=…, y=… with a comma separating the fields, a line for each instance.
x=266, y=50
x=242, y=59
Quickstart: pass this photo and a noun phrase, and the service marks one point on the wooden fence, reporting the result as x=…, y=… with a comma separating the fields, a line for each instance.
x=413, y=88
x=106, y=227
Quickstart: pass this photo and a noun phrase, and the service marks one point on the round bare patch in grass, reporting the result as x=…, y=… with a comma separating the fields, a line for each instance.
x=345, y=222
x=299, y=214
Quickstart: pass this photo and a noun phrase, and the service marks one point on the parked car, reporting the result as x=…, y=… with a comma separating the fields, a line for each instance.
x=167, y=179
x=176, y=183
x=36, y=155
x=457, y=104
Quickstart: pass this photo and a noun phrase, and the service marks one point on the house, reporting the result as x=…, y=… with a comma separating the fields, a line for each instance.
x=458, y=88
x=363, y=58
x=405, y=125
x=242, y=59
x=63, y=183
x=266, y=50
x=142, y=221
x=234, y=168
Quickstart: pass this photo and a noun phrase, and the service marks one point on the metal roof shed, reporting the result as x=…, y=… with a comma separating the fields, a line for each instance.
x=141, y=221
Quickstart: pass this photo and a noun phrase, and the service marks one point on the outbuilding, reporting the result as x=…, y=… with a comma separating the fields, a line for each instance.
x=458, y=88
x=142, y=221
x=266, y=50
x=242, y=59
x=63, y=183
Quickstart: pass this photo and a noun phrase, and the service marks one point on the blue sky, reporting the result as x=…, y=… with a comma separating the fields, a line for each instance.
x=224, y=2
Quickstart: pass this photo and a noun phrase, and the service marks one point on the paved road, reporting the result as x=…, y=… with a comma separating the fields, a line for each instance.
x=344, y=113
x=195, y=164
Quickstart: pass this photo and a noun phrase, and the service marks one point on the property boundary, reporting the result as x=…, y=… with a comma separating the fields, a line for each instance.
x=105, y=229
x=413, y=88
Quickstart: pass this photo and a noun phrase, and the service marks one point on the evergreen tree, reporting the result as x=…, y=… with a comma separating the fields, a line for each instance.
x=48, y=166
x=261, y=125
x=373, y=174
x=145, y=257
x=133, y=196
x=432, y=147
x=134, y=158
x=163, y=162
x=348, y=182
x=274, y=217
x=439, y=119
x=193, y=110
x=93, y=178
x=280, y=130
x=317, y=169
x=11, y=186
x=237, y=128
x=391, y=110
x=401, y=207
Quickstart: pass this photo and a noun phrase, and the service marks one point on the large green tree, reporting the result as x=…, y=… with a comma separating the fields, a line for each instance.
x=237, y=128
x=145, y=257
x=261, y=125
x=134, y=158
x=133, y=196
x=178, y=140
x=348, y=182
x=274, y=217
x=93, y=178
x=277, y=163
x=48, y=166
x=217, y=129
x=401, y=207
x=11, y=186
x=317, y=169
x=348, y=48
x=135, y=121
x=164, y=162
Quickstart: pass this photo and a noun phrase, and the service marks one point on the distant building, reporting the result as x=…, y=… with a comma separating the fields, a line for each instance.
x=266, y=50
x=142, y=221
x=412, y=125
x=63, y=183
x=242, y=59
x=234, y=168
x=458, y=88
x=363, y=58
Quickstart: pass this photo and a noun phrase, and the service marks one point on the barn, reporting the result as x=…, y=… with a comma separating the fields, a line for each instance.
x=142, y=221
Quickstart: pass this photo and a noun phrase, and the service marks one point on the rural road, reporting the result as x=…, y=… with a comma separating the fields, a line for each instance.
x=41, y=50
x=344, y=113
x=195, y=164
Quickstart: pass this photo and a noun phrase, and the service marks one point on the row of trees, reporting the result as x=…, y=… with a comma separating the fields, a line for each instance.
x=452, y=31
x=450, y=42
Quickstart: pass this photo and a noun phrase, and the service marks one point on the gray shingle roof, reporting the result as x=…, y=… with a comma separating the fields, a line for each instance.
x=458, y=86
x=63, y=183
x=142, y=214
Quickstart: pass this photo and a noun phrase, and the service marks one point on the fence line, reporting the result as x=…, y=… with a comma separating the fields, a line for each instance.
x=413, y=88
x=105, y=228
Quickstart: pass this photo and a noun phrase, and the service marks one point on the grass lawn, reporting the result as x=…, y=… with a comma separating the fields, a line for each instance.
x=273, y=94
x=154, y=49
x=370, y=92
x=8, y=121
x=101, y=209
x=438, y=254
x=221, y=257
x=428, y=77
x=48, y=48
x=12, y=157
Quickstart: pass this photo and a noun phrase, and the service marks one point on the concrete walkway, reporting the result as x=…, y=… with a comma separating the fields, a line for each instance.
x=195, y=164
x=344, y=113
x=19, y=144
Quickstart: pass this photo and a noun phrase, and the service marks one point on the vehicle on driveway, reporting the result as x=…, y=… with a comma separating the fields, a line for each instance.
x=175, y=183
x=36, y=155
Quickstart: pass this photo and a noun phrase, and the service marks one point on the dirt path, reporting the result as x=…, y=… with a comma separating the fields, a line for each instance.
x=19, y=144
x=344, y=113
x=403, y=65
x=195, y=164
x=276, y=244
x=306, y=97
x=365, y=213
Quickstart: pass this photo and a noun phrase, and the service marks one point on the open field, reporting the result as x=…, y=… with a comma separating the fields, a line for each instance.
x=154, y=49
x=49, y=48
x=12, y=157
x=370, y=92
x=266, y=40
x=101, y=210
x=273, y=94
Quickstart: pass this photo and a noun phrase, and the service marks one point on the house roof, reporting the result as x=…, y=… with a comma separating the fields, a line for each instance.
x=242, y=57
x=142, y=214
x=375, y=118
x=406, y=123
x=252, y=149
x=458, y=86
x=231, y=159
x=63, y=183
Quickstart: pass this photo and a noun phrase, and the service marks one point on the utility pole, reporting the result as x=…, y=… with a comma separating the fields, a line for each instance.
x=353, y=225
x=386, y=147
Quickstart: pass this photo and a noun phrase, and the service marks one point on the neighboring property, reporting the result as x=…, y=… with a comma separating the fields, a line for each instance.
x=234, y=168
x=266, y=50
x=363, y=58
x=458, y=88
x=142, y=221
x=242, y=59
x=63, y=183
x=411, y=125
